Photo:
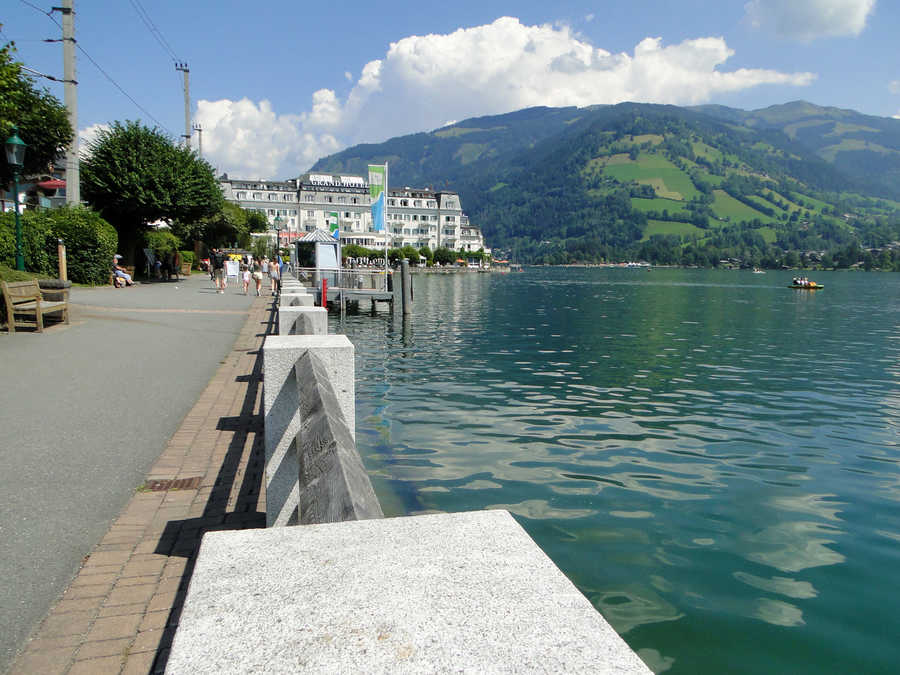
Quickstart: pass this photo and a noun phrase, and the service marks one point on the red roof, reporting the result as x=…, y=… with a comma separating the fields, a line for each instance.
x=52, y=184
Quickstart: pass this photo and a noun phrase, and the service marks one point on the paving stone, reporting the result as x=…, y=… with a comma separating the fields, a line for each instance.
x=128, y=595
x=107, y=665
x=45, y=662
x=114, y=627
x=93, y=650
x=139, y=664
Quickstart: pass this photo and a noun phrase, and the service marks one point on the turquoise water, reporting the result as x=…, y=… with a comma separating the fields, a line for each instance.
x=710, y=456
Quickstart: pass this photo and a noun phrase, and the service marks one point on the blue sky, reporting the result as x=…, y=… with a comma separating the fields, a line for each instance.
x=276, y=85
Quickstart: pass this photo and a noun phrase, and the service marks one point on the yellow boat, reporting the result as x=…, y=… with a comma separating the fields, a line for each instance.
x=813, y=286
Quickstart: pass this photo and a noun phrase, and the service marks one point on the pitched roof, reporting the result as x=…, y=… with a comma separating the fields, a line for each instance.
x=318, y=235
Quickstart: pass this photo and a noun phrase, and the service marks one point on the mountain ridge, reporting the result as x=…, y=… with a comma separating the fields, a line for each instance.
x=605, y=180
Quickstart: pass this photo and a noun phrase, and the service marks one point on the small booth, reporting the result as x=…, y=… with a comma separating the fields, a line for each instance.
x=320, y=254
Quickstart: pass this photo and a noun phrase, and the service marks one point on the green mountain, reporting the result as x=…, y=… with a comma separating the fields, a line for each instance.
x=863, y=147
x=662, y=183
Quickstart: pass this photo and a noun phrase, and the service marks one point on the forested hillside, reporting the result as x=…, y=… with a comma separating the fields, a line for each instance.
x=659, y=183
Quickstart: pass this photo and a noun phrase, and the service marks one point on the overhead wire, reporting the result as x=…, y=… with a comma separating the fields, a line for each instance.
x=98, y=67
x=154, y=31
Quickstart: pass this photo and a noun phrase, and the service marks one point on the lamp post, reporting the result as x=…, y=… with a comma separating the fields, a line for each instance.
x=278, y=227
x=15, y=157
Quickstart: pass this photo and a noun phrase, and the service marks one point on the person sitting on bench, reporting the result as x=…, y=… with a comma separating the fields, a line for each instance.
x=120, y=273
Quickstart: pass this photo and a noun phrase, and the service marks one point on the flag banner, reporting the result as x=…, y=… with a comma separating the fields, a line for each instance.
x=376, y=192
x=378, y=213
x=333, y=222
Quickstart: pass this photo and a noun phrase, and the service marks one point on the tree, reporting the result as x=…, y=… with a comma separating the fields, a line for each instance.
x=134, y=175
x=444, y=256
x=42, y=120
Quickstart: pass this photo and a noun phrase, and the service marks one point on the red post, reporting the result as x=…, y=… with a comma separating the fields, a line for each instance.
x=325, y=293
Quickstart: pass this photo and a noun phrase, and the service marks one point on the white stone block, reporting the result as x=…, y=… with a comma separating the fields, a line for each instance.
x=299, y=320
x=281, y=409
x=463, y=593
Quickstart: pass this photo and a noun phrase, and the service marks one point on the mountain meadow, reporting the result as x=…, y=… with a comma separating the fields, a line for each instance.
x=794, y=185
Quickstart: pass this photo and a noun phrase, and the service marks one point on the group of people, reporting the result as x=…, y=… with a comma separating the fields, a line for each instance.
x=803, y=281
x=254, y=270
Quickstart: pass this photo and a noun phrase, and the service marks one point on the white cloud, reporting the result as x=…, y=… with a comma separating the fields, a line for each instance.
x=589, y=17
x=423, y=81
x=894, y=87
x=255, y=142
x=806, y=20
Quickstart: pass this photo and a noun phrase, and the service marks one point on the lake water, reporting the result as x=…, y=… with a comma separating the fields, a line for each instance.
x=710, y=456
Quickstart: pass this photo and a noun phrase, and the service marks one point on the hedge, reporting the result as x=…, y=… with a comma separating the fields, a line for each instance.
x=90, y=242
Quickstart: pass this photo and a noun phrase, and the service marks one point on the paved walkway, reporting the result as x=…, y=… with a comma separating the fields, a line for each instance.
x=120, y=612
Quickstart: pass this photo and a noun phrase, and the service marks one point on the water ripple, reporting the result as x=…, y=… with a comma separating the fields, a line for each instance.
x=686, y=445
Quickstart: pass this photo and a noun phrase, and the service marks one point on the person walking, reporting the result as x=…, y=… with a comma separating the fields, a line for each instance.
x=257, y=275
x=274, y=275
x=217, y=261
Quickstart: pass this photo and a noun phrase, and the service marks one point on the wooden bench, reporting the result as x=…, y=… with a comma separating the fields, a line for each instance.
x=26, y=297
x=119, y=282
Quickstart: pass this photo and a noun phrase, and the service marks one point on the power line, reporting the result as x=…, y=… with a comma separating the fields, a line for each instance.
x=116, y=85
x=154, y=31
x=97, y=66
x=49, y=77
x=49, y=14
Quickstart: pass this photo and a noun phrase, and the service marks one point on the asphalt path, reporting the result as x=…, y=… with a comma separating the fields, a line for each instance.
x=85, y=410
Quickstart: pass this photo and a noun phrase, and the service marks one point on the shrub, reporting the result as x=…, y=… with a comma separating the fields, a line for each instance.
x=90, y=242
x=34, y=242
x=188, y=257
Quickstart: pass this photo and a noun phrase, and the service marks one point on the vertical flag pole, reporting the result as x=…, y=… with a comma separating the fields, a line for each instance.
x=386, y=231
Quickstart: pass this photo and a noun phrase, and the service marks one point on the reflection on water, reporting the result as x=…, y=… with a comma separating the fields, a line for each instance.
x=713, y=459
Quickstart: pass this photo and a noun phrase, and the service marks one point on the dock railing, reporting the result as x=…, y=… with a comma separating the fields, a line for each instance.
x=361, y=278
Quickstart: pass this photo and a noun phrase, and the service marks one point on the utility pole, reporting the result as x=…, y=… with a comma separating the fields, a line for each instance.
x=73, y=178
x=199, y=131
x=183, y=67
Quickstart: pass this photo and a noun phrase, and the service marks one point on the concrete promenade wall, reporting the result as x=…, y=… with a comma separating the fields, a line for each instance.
x=463, y=592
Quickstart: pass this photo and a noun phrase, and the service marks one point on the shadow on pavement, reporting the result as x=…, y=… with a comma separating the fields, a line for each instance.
x=182, y=537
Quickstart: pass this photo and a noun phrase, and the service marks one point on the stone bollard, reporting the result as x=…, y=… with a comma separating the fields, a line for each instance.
x=296, y=299
x=299, y=320
x=282, y=411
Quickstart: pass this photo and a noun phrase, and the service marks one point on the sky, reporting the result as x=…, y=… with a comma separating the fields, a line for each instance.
x=277, y=85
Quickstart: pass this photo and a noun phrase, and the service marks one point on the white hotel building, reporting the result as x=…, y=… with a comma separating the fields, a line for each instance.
x=415, y=217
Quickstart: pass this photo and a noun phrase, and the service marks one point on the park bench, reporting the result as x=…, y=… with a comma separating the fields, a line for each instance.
x=26, y=297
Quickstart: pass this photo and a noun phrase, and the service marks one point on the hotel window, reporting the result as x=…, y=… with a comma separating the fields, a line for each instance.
x=241, y=195
x=257, y=195
x=310, y=214
x=342, y=200
x=329, y=199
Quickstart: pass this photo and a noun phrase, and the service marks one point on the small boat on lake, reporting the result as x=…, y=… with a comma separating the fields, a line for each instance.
x=804, y=284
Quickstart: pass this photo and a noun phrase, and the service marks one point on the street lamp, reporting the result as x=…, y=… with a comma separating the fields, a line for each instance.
x=278, y=227
x=15, y=157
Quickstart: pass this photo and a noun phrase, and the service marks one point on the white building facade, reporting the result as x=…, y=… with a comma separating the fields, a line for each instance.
x=318, y=201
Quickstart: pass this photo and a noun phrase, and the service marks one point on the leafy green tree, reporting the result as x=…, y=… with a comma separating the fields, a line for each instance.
x=444, y=256
x=134, y=175
x=42, y=120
